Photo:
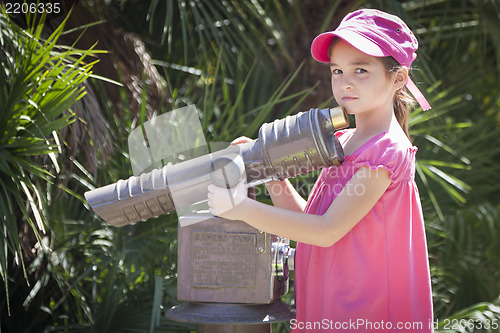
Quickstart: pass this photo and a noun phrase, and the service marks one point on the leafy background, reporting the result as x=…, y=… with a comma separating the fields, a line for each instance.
x=73, y=87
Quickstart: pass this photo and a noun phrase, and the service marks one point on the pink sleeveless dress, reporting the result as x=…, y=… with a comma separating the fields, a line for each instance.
x=376, y=278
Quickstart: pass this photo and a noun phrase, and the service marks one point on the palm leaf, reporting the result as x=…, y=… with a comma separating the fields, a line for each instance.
x=39, y=85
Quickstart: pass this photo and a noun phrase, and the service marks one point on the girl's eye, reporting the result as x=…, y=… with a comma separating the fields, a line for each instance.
x=360, y=70
x=336, y=71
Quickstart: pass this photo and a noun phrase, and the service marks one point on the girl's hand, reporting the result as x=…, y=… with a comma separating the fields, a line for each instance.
x=225, y=202
x=240, y=140
x=222, y=202
x=282, y=193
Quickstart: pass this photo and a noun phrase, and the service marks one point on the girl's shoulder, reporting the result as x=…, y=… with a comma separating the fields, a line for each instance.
x=394, y=139
x=391, y=150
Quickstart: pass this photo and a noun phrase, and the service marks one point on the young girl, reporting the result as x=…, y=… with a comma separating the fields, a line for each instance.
x=361, y=258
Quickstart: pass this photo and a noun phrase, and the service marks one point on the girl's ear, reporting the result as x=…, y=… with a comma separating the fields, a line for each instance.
x=401, y=77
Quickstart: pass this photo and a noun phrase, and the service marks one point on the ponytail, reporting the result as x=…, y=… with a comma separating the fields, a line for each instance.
x=403, y=102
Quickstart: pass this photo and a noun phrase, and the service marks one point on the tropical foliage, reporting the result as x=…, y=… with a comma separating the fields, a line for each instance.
x=64, y=130
x=40, y=81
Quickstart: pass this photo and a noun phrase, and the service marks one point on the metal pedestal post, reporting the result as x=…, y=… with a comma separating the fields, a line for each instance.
x=224, y=328
x=231, y=318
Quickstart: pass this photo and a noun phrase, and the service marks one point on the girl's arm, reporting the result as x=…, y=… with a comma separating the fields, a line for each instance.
x=354, y=201
x=284, y=195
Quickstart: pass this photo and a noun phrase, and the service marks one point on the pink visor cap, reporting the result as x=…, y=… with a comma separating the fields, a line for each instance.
x=377, y=34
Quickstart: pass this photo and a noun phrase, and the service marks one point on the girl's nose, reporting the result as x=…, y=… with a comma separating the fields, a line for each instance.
x=346, y=83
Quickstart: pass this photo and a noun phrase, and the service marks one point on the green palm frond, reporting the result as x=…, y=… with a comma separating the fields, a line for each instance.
x=466, y=266
x=39, y=83
x=237, y=26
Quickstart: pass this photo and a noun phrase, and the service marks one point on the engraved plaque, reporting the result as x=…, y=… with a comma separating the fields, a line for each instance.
x=223, y=259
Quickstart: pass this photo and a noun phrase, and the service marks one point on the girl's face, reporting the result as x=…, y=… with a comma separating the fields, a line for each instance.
x=360, y=82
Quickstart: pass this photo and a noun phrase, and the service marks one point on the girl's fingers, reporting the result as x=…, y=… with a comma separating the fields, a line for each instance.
x=240, y=140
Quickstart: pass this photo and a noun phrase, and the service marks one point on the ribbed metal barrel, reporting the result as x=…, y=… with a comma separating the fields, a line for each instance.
x=285, y=148
x=295, y=145
x=150, y=194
